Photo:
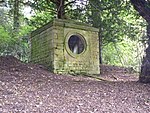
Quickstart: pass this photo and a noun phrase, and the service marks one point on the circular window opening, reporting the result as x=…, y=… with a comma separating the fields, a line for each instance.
x=76, y=44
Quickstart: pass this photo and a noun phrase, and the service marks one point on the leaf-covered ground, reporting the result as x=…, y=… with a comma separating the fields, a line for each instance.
x=27, y=88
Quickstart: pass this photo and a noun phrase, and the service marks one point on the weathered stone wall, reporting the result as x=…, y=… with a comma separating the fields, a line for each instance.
x=42, y=49
x=49, y=47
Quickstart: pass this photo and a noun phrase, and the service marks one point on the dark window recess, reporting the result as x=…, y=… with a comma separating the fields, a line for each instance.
x=76, y=44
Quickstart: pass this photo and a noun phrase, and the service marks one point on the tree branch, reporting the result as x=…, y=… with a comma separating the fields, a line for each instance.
x=142, y=6
x=70, y=3
x=99, y=8
x=55, y=1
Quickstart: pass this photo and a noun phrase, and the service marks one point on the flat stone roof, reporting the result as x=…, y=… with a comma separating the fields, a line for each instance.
x=67, y=24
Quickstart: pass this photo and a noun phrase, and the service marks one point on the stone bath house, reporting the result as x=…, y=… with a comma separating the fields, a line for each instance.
x=66, y=46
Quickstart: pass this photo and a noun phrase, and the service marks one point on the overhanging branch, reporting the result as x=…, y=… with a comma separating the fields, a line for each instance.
x=142, y=6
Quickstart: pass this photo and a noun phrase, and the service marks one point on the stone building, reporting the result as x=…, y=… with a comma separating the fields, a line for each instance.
x=66, y=47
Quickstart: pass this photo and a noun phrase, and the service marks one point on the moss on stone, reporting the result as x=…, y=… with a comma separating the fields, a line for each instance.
x=49, y=46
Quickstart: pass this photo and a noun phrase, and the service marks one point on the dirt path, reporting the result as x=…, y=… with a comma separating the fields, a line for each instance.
x=26, y=88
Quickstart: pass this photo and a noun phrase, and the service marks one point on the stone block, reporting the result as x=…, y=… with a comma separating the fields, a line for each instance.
x=66, y=47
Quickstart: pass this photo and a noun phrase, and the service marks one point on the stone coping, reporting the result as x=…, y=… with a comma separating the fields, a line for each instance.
x=64, y=23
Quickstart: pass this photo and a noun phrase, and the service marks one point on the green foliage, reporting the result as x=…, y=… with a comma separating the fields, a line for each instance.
x=5, y=39
x=44, y=12
x=14, y=41
x=40, y=19
x=118, y=22
x=4, y=36
x=127, y=53
x=14, y=45
x=23, y=43
x=11, y=42
x=120, y=28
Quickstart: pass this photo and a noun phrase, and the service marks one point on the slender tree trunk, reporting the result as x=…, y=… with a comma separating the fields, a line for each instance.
x=100, y=46
x=142, y=6
x=16, y=16
x=61, y=9
x=60, y=6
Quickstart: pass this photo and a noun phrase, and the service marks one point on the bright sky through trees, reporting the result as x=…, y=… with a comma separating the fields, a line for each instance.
x=27, y=11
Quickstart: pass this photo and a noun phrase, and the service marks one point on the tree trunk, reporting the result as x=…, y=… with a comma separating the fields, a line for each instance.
x=100, y=47
x=16, y=16
x=145, y=68
x=61, y=9
x=142, y=6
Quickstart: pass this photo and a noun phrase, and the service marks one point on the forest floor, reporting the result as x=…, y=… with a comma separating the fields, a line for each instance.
x=28, y=88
